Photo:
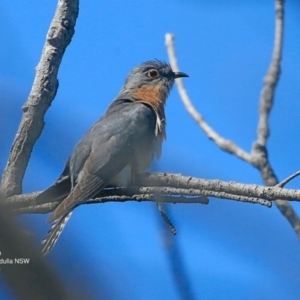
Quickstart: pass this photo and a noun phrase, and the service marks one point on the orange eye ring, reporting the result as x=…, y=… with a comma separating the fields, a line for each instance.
x=153, y=74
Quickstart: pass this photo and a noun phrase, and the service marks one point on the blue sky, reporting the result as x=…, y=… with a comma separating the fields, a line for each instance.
x=230, y=250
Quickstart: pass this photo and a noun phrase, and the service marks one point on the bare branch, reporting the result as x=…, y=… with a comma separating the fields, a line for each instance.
x=248, y=190
x=224, y=144
x=272, y=77
x=169, y=188
x=49, y=207
x=42, y=94
x=176, y=198
x=259, y=151
x=259, y=156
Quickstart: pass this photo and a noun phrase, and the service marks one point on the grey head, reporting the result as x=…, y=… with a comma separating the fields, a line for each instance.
x=154, y=73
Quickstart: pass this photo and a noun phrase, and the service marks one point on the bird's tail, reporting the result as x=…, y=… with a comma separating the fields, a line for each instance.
x=54, y=233
x=58, y=191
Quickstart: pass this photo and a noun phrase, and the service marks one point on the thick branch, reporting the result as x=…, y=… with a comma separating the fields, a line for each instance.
x=42, y=94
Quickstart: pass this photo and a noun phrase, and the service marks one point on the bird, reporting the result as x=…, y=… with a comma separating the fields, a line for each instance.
x=117, y=148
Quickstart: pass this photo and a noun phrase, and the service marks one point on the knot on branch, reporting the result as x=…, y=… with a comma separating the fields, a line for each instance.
x=259, y=155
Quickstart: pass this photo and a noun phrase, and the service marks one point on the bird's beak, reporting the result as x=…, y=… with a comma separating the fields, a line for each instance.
x=180, y=74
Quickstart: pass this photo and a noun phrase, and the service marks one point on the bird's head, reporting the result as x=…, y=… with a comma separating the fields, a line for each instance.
x=151, y=81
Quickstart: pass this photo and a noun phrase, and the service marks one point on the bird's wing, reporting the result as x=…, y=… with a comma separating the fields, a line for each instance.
x=115, y=137
x=61, y=188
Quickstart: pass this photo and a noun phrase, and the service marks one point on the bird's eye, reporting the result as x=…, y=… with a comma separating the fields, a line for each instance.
x=153, y=74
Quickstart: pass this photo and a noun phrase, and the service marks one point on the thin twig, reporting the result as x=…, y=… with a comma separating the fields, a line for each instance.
x=41, y=96
x=212, y=193
x=49, y=207
x=287, y=180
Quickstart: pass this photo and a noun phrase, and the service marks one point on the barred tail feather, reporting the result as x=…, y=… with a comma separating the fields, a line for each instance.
x=54, y=233
x=166, y=218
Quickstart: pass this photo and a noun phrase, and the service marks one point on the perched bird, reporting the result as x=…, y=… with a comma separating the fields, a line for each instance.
x=118, y=147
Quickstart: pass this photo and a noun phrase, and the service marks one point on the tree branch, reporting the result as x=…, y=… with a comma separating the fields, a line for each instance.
x=169, y=188
x=259, y=151
x=259, y=155
x=41, y=96
x=271, y=79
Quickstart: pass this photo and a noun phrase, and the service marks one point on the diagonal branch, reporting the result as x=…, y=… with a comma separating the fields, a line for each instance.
x=41, y=96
